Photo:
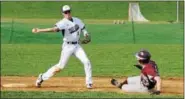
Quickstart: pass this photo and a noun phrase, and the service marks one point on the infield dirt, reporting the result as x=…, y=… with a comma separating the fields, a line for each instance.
x=77, y=84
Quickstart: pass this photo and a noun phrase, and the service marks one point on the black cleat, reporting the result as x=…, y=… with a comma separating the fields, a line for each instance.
x=116, y=83
x=39, y=81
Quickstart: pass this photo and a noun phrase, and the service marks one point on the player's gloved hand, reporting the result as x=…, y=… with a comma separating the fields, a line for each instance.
x=138, y=66
x=85, y=41
x=155, y=93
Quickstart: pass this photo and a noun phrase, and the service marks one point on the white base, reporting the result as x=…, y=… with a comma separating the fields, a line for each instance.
x=14, y=85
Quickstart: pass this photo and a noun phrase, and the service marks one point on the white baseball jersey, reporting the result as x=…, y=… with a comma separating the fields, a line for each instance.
x=71, y=29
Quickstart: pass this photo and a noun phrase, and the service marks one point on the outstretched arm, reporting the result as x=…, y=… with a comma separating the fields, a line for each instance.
x=158, y=84
x=37, y=30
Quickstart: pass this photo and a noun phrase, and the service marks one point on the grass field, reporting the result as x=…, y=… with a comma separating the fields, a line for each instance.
x=102, y=33
x=164, y=11
x=22, y=56
x=23, y=94
x=28, y=51
x=111, y=51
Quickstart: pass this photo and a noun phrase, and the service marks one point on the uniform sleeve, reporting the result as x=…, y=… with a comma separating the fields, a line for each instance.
x=82, y=26
x=157, y=71
x=155, y=68
x=60, y=25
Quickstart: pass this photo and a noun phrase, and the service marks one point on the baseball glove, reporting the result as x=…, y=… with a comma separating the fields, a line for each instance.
x=85, y=41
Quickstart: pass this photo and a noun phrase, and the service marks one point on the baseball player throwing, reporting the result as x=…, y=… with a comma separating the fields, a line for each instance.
x=148, y=78
x=71, y=27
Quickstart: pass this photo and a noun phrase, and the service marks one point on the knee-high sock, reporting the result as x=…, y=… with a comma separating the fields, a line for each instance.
x=88, y=72
x=49, y=73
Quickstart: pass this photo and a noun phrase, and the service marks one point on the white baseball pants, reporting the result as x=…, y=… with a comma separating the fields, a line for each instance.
x=134, y=85
x=67, y=51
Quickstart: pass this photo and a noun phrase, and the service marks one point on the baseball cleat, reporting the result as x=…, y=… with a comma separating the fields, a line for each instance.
x=115, y=83
x=39, y=81
x=89, y=86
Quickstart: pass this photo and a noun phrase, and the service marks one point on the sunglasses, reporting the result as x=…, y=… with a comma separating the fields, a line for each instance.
x=66, y=12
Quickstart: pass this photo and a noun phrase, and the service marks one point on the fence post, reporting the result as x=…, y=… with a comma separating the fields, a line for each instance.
x=177, y=11
x=12, y=30
x=133, y=31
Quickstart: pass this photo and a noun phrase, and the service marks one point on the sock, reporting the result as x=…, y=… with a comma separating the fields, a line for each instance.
x=48, y=74
x=121, y=84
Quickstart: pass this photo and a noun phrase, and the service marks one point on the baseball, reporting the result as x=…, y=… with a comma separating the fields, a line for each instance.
x=34, y=30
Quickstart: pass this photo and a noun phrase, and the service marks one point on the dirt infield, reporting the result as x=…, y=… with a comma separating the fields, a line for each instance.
x=68, y=84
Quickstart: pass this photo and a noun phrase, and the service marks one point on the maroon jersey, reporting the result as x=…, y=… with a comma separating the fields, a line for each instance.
x=148, y=72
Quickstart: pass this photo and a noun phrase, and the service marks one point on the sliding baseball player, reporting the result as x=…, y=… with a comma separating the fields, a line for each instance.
x=146, y=81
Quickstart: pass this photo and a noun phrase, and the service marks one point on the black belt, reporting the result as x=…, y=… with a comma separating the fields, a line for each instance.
x=72, y=42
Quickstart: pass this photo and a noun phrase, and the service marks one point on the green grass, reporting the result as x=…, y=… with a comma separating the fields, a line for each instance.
x=111, y=51
x=164, y=11
x=114, y=43
x=101, y=33
x=107, y=59
x=22, y=94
